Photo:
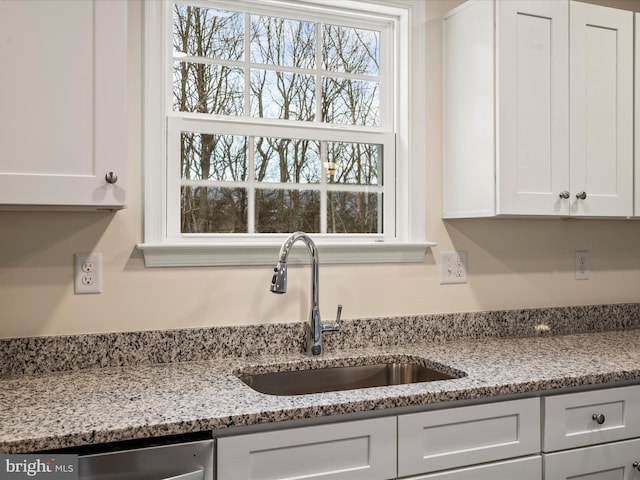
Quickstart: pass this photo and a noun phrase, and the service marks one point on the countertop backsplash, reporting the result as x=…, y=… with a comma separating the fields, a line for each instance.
x=77, y=352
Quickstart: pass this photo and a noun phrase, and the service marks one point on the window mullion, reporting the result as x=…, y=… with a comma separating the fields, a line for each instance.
x=319, y=119
x=247, y=64
x=323, y=191
x=250, y=145
x=319, y=72
x=251, y=185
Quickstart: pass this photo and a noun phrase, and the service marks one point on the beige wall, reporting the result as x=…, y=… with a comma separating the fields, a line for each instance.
x=512, y=263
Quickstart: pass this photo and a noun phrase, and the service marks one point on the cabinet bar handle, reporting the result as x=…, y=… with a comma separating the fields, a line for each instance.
x=197, y=475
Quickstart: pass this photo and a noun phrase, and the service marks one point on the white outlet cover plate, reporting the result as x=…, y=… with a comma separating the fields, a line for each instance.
x=582, y=265
x=453, y=267
x=87, y=273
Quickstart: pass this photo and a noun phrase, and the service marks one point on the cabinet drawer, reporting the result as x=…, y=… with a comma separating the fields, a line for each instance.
x=359, y=450
x=451, y=438
x=571, y=420
x=603, y=462
x=528, y=468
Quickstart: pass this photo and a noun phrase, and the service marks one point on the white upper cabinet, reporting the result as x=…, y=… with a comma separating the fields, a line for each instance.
x=538, y=110
x=63, y=97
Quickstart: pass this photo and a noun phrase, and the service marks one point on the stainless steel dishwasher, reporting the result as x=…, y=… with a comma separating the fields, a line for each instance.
x=182, y=461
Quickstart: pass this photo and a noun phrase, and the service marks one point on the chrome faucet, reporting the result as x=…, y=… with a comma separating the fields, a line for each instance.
x=279, y=285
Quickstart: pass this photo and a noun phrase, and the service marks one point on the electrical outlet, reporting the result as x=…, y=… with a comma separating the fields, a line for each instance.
x=582, y=265
x=453, y=267
x=88, y=273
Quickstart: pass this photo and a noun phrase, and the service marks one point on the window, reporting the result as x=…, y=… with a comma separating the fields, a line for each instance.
x=267, y=117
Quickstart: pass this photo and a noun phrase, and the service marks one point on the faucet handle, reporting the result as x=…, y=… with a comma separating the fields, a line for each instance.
x=335, y=326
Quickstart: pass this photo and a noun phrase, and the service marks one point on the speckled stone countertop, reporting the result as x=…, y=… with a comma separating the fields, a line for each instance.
x=74, y=408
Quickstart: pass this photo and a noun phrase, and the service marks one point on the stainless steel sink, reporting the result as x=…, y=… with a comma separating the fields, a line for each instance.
x=331, y=379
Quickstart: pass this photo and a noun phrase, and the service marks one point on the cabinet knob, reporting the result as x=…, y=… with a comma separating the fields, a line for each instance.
x=581, y=195
x=636, y=465
x=564, y=194
x=111, y=177
x=598, y=418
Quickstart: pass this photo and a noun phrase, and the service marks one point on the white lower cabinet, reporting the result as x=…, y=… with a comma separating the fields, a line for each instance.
x=357, y=450
x=445, y=439
x=589, y=418
x=589, y=435
x=601, y=421
x=528, y=468
x=611, y=461
x=395, y=446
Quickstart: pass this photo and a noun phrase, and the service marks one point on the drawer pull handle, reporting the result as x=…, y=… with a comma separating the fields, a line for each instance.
x=636, y=465
x=598, y=418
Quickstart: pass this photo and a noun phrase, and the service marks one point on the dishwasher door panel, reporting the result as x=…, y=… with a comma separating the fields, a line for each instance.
x=183, y=461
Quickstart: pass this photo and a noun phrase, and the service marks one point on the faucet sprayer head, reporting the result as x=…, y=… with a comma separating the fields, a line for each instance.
x=279, y=279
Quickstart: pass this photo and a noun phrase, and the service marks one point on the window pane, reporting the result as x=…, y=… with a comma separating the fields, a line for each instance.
x=265, y=74
x=285, y=211
x=354, y=163
x=351, y=102
x=287, y=160
x=213, y=210
x=351, y=50
x=213, y=157
x=207, y=32
x=283, y=95
x=354, y=212
x=283, y=42
x=205, y=88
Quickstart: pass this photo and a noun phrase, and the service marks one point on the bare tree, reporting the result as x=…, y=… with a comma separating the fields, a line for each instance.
x=212, y=89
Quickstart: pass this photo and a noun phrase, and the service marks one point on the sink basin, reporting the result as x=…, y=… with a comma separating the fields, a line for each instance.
x=334, y=378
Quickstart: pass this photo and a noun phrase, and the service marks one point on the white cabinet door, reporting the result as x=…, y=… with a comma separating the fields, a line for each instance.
x=587, y=418
x=358, y=450
x=533, y=79
x=528, y=468
x=613, y=461
x=62, y=91
x=445, y=439
x=601, y=110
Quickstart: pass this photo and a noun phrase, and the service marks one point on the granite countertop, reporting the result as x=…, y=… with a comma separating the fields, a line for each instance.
x=52, y=410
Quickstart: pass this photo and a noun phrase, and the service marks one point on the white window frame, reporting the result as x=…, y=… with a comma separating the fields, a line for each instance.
x=407, y=243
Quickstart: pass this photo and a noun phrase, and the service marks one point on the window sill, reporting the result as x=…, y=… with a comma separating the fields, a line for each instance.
x=228, y=254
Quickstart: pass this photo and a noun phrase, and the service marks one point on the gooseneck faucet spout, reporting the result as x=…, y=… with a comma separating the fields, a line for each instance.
x=279, y=285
